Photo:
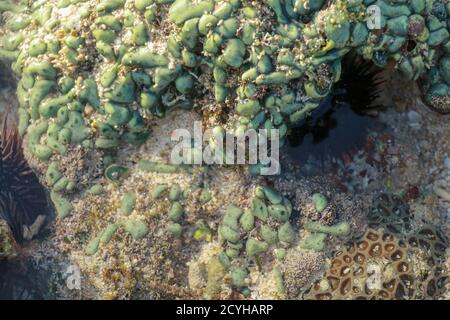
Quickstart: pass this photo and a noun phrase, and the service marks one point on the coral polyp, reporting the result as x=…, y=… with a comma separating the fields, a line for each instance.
x=391, y=263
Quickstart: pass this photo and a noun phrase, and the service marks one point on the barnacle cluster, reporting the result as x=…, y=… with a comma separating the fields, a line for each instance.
x=381, y=266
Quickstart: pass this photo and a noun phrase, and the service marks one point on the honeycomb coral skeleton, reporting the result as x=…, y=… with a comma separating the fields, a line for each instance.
x=381, y=266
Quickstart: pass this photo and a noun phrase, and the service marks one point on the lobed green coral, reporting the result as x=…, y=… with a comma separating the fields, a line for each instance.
x=261, y=229
x=96, y=73
x=272, y=62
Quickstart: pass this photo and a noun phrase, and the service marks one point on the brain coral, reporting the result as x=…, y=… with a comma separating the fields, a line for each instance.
x=390, y=261
x=380, y=266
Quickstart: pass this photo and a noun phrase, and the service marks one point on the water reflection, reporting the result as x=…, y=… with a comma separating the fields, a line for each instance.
x=332, y=130
x=341, y=122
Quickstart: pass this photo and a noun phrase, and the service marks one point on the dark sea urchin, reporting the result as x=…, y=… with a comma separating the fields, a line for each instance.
x=23, y=201
x=341, y=122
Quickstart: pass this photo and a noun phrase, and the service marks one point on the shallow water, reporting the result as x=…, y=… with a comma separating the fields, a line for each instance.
x=23, y=280
x=335, y=128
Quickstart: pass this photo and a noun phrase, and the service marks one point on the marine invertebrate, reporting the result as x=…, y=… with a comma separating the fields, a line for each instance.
x=339, y=124
x=320, y=202
x=374, y=250
x=382, y=266
x=339, y=229
x=269, y=215
x=136, y=228
x=390, y=211
x=128, y=203
x=316, y=240
x=22, y=197
x=107, y=71
x=390, y=261
x=6, y=77
x=19, y=281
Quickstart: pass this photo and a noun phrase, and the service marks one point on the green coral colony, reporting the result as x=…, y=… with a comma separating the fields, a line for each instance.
x=94, y=74
x=106, y=57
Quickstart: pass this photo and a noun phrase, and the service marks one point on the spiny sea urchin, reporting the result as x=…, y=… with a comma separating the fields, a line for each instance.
x=22, y=197
x=360, y=85
x=340, y=122
x=437, y=103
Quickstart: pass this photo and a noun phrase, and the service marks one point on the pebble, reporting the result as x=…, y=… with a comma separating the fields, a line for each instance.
x=414, y=119
x=447, y=162
x=445, y=195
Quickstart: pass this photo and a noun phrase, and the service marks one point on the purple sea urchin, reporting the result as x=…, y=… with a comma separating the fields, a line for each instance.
x=22, y=197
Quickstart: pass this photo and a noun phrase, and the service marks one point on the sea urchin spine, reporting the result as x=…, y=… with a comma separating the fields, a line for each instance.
x=22, y=197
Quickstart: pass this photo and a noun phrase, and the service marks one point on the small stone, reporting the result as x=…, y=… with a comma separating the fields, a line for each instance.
x=414, y=119
x=442, y=193
x=447, y=162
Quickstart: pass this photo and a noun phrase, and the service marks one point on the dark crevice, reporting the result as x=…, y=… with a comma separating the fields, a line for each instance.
x=341, y=121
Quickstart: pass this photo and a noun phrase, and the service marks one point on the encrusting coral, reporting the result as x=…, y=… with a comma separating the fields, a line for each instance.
x=380, y=266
